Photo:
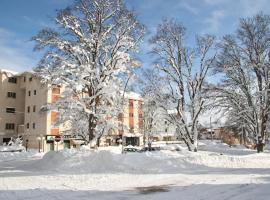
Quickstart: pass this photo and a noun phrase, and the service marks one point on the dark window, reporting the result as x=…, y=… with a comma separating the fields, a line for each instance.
x=29, y=93
x=6, y=140
x=34, y=108
x=130, y=103
x=130, y=114
x=11, y=95
x=166, y=130
x=35, y=92
x=56, y=90
x=34, y=125
x=27, y=125
x=10, y=110
x=24, y=79
x=30, y=79
x=12, y=80
x=28, y=109
x=10, y=126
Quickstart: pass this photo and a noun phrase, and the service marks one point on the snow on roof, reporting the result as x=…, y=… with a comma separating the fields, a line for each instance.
x=218, y=119
x=132, y=95
x=9, y=72
x=132, y=134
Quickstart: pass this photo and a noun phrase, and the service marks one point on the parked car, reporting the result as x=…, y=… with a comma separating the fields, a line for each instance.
x=150, y=149
x=130, y=149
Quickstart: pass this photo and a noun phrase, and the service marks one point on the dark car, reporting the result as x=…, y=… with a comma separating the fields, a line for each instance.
x=150, y=149
x=130, y=149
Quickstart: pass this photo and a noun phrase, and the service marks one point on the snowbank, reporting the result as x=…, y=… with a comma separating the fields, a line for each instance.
x=165, y=161
x=17, y=156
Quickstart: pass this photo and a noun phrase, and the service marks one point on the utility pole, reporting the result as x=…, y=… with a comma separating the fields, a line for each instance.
x=211, y=129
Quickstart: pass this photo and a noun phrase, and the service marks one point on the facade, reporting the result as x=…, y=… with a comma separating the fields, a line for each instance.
x=23, y=114
x=130, y=124
x=21, y=102
x=12, y=101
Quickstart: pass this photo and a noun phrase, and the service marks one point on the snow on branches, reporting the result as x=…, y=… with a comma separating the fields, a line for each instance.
x=183, y=71
x=243, y=62
x=87, y=53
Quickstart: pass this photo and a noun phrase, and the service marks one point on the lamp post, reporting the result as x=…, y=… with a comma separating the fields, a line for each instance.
x=26, y=144
x=39, y=140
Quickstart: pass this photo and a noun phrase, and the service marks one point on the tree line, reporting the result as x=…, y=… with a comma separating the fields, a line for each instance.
x=92, y=52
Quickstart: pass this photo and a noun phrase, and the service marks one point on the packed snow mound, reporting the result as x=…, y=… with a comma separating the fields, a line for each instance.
x=17, y=155
x=104, y=161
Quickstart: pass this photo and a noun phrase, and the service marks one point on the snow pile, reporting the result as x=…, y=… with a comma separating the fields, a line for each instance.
x=165, y=161
x=15, y=144
x=17, y=156
x=12, y=148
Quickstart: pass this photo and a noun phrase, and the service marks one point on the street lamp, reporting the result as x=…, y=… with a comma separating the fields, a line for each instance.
x=39, y=140
x=26, y=144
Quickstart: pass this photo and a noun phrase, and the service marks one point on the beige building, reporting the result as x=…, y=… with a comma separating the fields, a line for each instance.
x=12, y=101
x=130, y=124
x=22, y=103
x=23, y=114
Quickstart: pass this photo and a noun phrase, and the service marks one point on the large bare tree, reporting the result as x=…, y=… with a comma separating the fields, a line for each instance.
x=183, y=71
x=244, y=64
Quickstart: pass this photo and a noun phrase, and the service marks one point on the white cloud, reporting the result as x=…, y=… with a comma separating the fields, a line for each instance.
x=15, y=54
x=189, y=8
x=213, y=23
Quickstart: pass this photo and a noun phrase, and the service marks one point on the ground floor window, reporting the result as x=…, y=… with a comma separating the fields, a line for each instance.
x=6, y=140
x=134, y=141
x=10, y=126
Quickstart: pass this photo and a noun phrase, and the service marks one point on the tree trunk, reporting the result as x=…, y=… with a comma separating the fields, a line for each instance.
x=91, y=127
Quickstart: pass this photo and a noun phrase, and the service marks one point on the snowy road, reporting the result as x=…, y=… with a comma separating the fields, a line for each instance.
x=23, y=179
x=128, y=186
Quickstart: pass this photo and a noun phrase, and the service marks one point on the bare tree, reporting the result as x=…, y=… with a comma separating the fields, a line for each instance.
x=243, y=62
x=88, y=52
x=184, y=71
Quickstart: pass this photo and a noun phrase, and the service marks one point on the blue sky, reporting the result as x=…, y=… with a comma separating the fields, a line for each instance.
x=20, y=20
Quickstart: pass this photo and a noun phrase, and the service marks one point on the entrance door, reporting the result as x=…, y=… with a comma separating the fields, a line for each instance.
x=133, y=141
x=51, y=146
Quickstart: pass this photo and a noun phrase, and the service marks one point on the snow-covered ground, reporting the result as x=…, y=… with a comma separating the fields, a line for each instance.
x=216, y=172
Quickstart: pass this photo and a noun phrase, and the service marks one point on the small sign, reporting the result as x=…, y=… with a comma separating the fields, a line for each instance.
x=57, y=138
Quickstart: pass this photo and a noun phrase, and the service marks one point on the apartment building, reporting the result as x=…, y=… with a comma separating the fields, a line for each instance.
x=12, y=101
x=22, y=102
x=130, y=123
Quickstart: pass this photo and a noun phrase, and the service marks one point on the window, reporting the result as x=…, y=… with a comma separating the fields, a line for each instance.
x=30, y=79
x=27, y=125
x=10, y=110
x=130, y=114
x=12, y=80
x=34, y=108
x=28, y=109
x=29, y=93
x=6, y=140
x=130, y=103
x=35, y=92
x=131, y=130
x=11, y=95
x=56, y=90
x=24, y=79
x=10, y=126
x=140, y=104
x=166, y=130
x=34, y=125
